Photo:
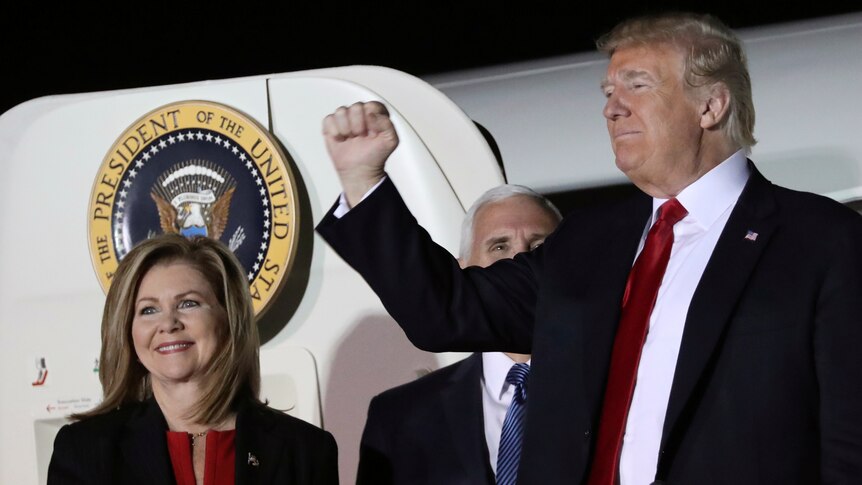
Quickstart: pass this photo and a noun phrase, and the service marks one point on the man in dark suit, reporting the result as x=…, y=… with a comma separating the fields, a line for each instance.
x=445, y=427
x=706, y=331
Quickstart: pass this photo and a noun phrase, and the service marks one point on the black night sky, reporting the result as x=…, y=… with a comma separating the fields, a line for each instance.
x=78, y=47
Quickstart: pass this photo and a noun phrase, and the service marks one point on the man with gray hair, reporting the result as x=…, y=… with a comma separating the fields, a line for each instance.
x=448, y=427
x=705, y=331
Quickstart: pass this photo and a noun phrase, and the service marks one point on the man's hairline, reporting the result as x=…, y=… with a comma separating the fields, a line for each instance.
x=538, y=202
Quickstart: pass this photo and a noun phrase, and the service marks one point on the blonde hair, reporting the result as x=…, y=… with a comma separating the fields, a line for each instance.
x=233, y=374
x=714, y=54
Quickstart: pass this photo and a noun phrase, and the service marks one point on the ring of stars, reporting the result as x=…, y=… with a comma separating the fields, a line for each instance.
x=179, y=137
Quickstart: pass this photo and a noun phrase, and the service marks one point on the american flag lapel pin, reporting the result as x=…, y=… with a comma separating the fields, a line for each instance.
x=751, y=236
x=252, y=460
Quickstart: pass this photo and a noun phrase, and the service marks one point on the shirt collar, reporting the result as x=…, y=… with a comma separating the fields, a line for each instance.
x=709, y=196
x=495, y=367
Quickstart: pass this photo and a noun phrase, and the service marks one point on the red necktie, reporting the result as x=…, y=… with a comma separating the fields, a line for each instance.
x=638, y=301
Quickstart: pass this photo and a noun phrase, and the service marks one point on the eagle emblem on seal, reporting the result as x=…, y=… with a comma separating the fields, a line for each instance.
x=193, y=199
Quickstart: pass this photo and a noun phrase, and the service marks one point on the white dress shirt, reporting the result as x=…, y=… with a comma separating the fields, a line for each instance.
x=344, y=208
x=709, y=202
x=497, y=395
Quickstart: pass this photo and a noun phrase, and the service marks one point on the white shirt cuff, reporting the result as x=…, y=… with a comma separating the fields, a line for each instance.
x=343, y=208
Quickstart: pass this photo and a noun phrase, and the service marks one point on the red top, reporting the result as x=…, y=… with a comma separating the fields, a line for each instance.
x=219, y=462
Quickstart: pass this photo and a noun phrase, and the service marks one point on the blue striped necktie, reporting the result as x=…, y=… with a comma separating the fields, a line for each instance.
x=513, y=427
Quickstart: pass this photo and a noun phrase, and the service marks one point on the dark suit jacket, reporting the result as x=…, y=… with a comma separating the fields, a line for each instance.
x=428, y=432
x=128, y=446
x=768, y=383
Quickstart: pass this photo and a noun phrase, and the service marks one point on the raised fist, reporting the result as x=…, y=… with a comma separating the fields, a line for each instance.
x=359, y=139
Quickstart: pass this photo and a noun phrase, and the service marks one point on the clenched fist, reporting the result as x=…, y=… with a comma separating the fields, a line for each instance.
x=359, y=139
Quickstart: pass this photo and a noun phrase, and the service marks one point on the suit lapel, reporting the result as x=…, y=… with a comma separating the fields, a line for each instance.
x=144, y=446
x=461, y=402
x=258, y=449
x=712, y=306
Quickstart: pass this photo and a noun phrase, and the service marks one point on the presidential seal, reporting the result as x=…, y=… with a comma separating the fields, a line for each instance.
x=197, y=168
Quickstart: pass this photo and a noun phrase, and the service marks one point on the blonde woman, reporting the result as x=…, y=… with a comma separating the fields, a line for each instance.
x=181, y=377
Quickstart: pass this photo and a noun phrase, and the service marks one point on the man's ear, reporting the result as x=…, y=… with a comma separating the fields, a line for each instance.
x=715, y=107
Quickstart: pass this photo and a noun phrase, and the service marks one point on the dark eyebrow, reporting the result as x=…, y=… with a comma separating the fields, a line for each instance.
x=497, y=240
x=144, y=298
x=179, y=296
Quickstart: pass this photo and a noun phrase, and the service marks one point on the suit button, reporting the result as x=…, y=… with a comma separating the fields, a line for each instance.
x=587, y=434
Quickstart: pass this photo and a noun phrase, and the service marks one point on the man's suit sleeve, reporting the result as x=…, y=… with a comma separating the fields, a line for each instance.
x=375, y=459
x=838, y=357
x=439, y=306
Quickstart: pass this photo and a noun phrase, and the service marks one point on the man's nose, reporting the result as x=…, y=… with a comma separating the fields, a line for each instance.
x=519, y=247
x=615, y=107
